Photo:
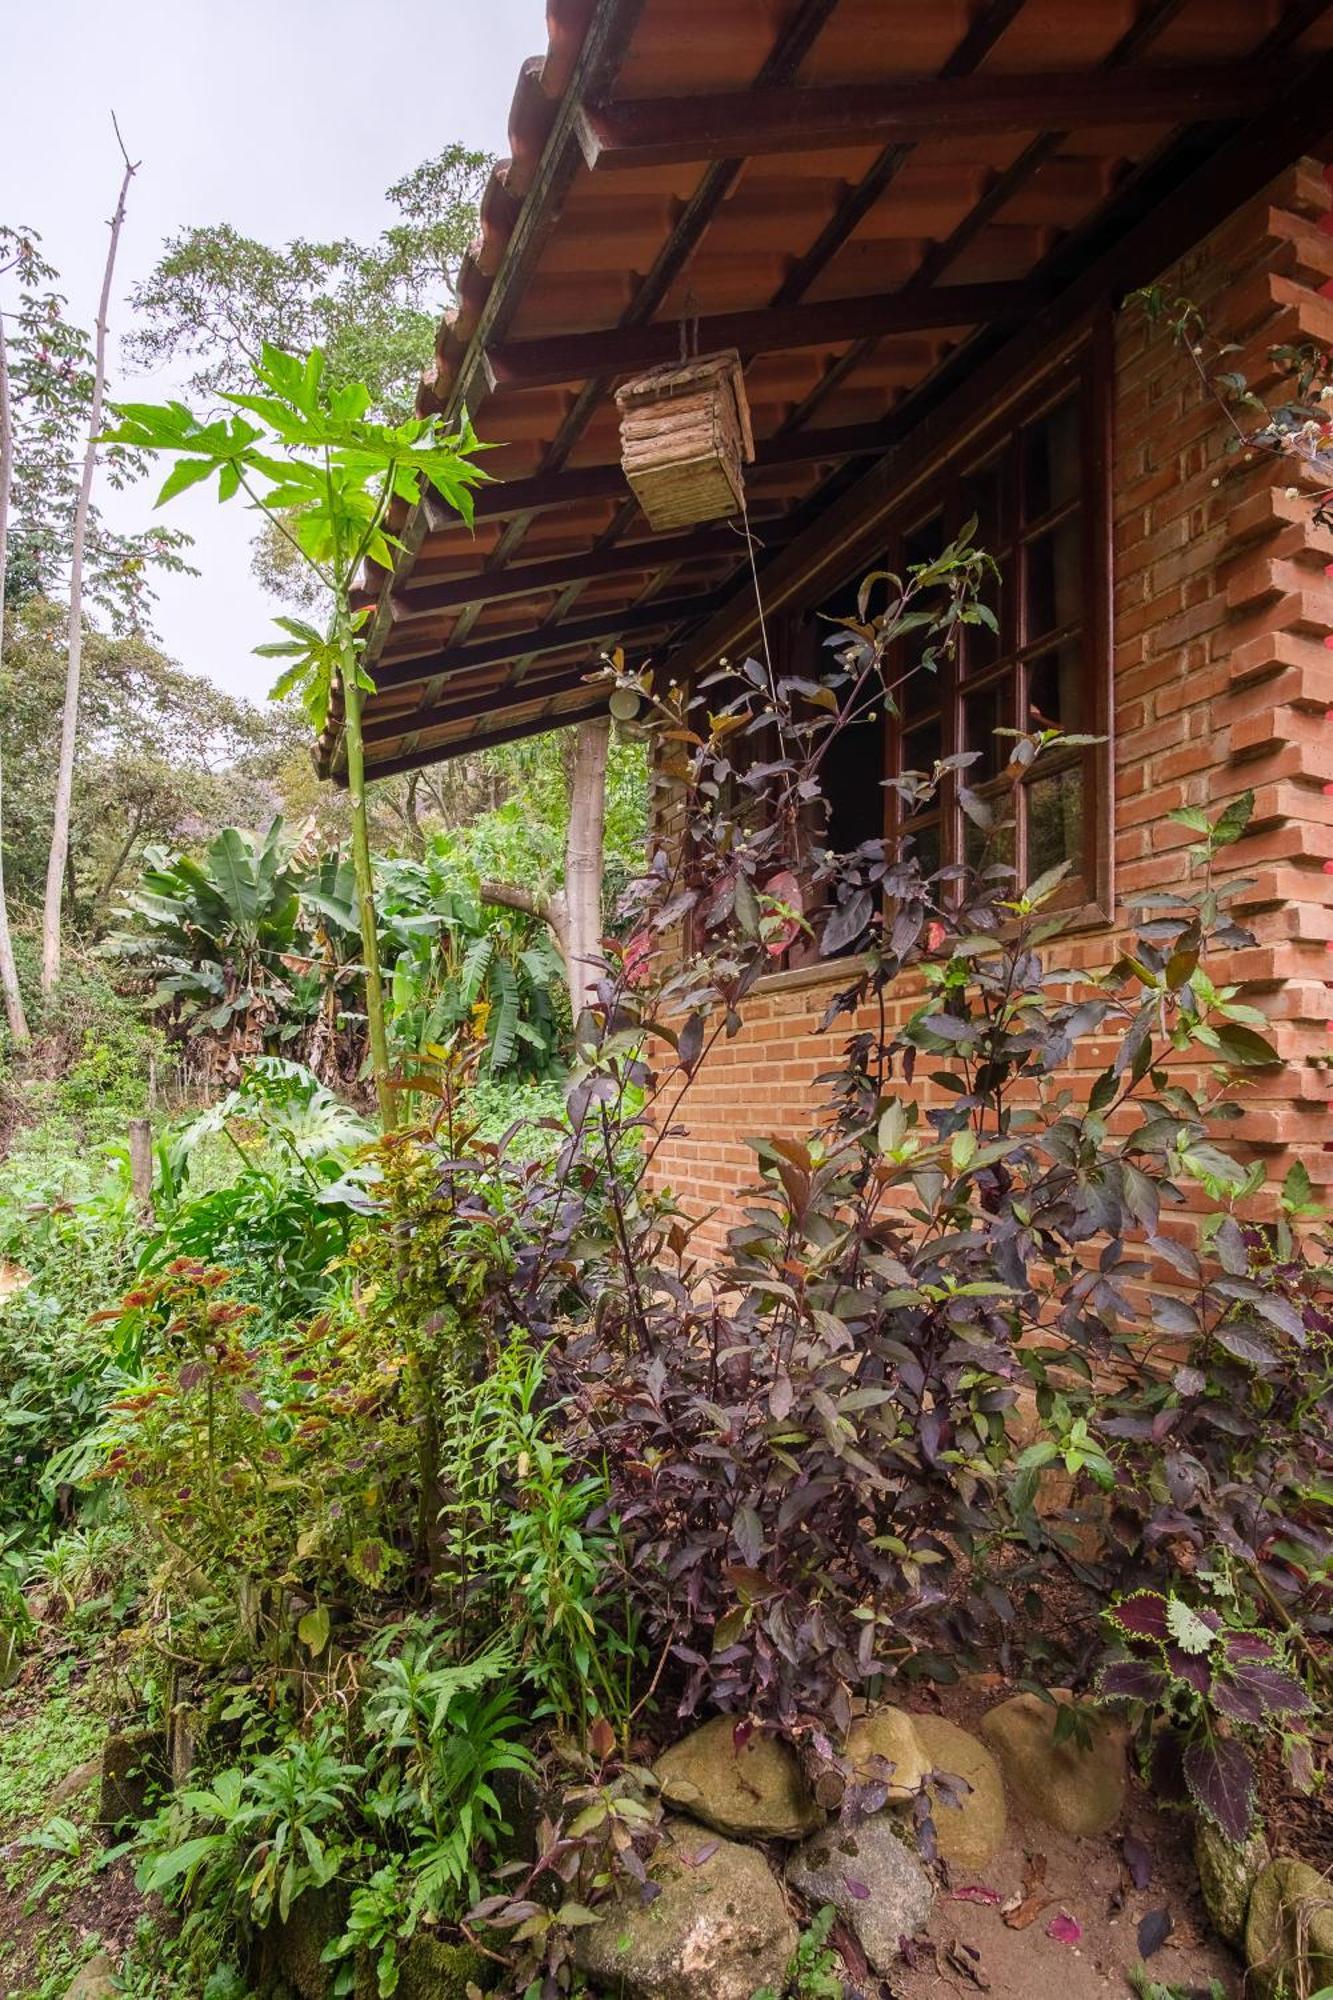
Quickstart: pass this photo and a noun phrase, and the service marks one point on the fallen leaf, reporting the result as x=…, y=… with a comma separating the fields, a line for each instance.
x=1154, y=1930
x=963, y=1959
x=1064, y=1929
x=1028, y=1911
x=976, y=1892
x=857, y=1889
x=1021, y=1911
x=1138, y=1860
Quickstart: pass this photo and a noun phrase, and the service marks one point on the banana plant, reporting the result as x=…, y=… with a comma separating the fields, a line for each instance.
x=217, y=931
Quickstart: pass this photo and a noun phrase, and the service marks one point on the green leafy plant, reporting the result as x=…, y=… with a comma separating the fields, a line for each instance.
x=1215, y=1686
x=272, y=1831
x=813, y=1973
x=325, y=474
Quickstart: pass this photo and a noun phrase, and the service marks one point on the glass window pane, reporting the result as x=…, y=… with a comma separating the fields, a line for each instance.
x=919, y=694
x=1054, y=578
x=924, y=746
x=993, y=848
x=1055, y=685
x=926, y=845
x=983, y=495
x=981, y=647
x=923, y=544
x=989, y=709
x=1055, y=820
x=1051, y=460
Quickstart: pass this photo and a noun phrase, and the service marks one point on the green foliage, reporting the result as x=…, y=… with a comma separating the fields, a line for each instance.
x=40, y=1748
x=814, y=1972
x=72, y=1235
x=520, y=1545
x=318, y=462
x=51, y=379
x=460, y=964
x=215, y=931
x=216, y=296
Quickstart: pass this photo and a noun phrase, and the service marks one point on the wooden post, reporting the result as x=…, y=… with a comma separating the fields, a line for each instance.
x=141, y=1164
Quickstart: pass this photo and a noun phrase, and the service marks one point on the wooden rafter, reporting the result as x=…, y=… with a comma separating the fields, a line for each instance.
x=569, y=357
x=467, y=707
x=599, y=630
x=670, y=131
x=627, y=559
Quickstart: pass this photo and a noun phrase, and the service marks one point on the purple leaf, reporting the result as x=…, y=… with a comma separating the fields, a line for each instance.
x=1154, y=1930
x=857, y=1889
x=976, y=1892
x=1192, y=1668
x=1278, y=1693
x=1132, y=1680
x=1138, y=1860
x=1220, y=1777
x=1142, y=1616
x=1236, y=1701
x=1064, y=1929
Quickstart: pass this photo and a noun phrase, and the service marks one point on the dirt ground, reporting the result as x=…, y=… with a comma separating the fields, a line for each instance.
x=1088, y=1881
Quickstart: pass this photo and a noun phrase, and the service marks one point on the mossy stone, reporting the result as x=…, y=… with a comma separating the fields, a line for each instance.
x=1227, y=1874
x=1289, y=1930
x=967, y=1834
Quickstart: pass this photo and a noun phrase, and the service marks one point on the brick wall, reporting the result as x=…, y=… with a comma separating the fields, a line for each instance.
x=1223, y=682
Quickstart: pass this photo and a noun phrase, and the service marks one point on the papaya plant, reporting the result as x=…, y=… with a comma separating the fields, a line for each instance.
x=308, y=456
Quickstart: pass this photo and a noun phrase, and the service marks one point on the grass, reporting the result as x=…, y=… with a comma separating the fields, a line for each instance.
x=39, y=1747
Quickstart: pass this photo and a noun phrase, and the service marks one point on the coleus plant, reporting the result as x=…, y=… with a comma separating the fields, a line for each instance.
x=1215, y=1687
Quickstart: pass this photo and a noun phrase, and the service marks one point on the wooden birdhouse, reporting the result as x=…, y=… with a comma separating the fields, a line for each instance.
x=684, y=439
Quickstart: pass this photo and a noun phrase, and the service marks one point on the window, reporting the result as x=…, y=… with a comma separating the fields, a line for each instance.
x=1036, y=485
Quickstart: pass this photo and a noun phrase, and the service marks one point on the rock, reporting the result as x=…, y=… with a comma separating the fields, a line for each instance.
x=94, y=1981
x=720, y=1926
x=74, y=1782
x=431, y=1970
x=888, y=1733
x=840, y=1863
x=296, y=1948
x=134, y=1771
x=1080, y=1789
x=1289, y=1930
x=968, y=1834
x=757, y=1793
x=1226, y=1876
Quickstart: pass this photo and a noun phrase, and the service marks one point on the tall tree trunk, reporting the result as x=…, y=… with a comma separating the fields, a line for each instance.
x=574, y=913
x=9, y=978
x=69, y=721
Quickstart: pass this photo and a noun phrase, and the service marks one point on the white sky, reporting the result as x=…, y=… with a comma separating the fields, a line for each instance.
x=282, y=117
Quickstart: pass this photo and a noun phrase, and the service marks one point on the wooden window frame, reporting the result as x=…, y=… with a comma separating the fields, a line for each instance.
x=1085, y=369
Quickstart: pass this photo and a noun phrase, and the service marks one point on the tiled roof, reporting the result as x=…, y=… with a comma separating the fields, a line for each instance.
x=846, y=190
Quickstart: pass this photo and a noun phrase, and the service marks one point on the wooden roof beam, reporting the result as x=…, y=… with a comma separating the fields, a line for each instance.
x=478, y=738
x=545, y=492
x=570, y=357
x=625, y=559
x=673, y=131
x=489, y=701
x=603, y=629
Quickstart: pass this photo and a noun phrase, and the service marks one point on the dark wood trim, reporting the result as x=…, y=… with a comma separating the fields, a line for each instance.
x=610, y=27
x=622, y=351
x=479, y=739
x=782, y=63
x=626, y=559
x=494, y=700
x=672, y=131
x=603, y=629
x=545, y=491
